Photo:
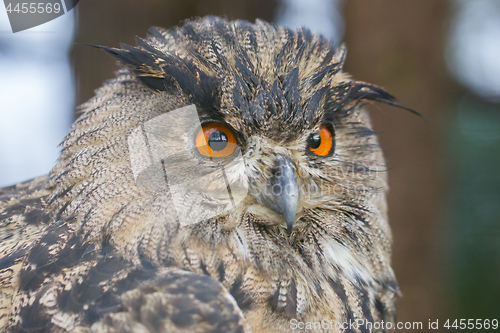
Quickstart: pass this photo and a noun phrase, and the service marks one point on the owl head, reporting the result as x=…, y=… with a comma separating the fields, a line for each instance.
x=246, y=140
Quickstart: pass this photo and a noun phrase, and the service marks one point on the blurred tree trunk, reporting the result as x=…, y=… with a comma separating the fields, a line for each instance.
x=112, y=22
x=399, y=45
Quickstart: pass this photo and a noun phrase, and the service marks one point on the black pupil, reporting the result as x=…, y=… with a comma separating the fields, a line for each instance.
x=314, y=141
x=217, y=140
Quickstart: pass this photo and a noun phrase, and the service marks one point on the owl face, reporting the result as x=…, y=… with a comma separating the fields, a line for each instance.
x=224, y=121
x=214, y=129
x=224, y=167
x=273, y=132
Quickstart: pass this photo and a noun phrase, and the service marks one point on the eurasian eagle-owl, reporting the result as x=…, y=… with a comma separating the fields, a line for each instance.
x=227, y=180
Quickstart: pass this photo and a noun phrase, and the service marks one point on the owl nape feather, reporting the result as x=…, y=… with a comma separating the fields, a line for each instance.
x=227, y=180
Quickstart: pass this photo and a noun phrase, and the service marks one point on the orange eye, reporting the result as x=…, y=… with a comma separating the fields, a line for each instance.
x=215, y=140
x=321, y=142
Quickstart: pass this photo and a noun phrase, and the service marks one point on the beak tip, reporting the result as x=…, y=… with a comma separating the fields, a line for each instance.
x=290, y=220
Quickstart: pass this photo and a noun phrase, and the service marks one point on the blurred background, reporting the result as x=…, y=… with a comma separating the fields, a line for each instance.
x=439, y=57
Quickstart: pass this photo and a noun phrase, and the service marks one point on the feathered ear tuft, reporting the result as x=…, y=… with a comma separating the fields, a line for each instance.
x=167, y=72
x=145, y=63
x=363, y=90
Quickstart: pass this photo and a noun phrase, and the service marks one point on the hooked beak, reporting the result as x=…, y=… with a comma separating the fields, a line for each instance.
x=285, y=189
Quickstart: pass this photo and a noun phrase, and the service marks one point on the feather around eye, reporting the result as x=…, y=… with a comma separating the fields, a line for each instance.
x=215, y=140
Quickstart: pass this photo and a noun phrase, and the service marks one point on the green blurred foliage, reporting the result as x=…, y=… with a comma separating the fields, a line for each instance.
x=473, y=225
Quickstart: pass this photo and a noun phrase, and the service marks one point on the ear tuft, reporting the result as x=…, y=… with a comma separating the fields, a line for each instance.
x=145, y=63
x=362, y=90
